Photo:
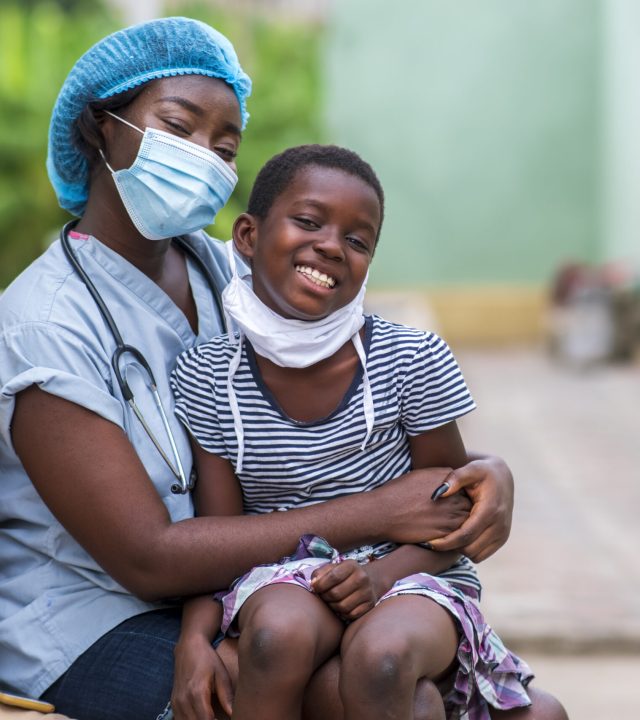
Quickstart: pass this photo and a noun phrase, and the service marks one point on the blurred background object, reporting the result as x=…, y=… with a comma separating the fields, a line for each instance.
x=594, y=315
x=507, y=136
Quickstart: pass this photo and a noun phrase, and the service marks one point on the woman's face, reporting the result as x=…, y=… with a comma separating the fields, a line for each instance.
x=199, y=109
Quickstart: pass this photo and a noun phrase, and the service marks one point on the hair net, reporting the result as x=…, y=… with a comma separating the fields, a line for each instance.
x=121, y=61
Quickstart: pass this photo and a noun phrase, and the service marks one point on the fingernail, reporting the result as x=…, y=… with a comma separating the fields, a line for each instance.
x=440, y=490
x=427, y=545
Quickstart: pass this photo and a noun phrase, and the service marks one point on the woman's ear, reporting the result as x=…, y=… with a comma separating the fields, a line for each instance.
x=245, y=234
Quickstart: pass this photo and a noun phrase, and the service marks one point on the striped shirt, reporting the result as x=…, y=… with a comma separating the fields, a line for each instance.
x=416, y=386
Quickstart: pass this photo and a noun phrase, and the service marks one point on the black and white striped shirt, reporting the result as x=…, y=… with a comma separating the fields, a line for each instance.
x=416, y=386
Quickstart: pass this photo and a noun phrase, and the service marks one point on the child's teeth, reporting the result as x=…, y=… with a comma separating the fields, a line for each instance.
x=322, y=278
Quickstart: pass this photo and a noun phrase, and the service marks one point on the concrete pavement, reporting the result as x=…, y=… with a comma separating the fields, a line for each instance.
x=569, y=577
x=565, y=590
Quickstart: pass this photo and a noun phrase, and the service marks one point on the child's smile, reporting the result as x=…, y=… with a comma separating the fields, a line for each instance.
x=316, y=277
x=311, y=253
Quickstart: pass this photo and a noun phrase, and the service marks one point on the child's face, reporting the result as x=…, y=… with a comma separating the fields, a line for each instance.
x=325, y=223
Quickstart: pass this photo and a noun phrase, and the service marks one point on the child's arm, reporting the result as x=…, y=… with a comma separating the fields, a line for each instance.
x=351, y=589
x=199, y=673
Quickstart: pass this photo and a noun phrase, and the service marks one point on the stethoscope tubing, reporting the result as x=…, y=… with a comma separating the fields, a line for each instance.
x=124, y=349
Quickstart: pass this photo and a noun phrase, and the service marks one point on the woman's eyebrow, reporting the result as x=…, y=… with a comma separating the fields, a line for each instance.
x=183, y=102
x=197, y=110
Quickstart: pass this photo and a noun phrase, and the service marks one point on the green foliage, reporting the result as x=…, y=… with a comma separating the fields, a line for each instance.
x=283, y=61
x=39, y=43
x=38, y=46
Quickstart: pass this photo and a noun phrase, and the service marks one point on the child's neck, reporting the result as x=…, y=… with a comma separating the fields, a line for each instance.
x=312, y=393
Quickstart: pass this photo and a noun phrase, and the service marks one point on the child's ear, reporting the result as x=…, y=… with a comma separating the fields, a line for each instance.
x=245, y=234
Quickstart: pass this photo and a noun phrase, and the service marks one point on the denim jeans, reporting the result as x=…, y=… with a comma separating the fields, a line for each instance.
x=126, y=675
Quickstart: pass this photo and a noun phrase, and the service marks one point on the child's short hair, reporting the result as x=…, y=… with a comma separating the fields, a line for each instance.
x=278, y=173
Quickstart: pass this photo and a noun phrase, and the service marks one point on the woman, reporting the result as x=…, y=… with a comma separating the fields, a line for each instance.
x=97, y=533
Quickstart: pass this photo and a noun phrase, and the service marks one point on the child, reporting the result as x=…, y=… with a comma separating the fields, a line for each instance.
x=312, y=400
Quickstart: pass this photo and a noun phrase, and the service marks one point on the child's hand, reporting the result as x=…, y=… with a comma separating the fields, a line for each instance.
x=199, y=675
x=348, y=588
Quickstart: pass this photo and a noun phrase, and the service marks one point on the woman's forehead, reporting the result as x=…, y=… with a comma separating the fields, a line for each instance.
x=198, y=90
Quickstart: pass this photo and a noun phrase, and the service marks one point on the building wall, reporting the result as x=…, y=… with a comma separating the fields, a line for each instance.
x=482, y=121
x=622, y=131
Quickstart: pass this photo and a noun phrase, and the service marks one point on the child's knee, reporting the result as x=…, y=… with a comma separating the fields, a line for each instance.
x=378, y=665
x=273, y=640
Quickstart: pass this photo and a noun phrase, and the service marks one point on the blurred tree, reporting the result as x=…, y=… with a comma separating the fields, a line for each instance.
x=283, y=59
x=38, y=46
x=40, y=41
x=67, y=6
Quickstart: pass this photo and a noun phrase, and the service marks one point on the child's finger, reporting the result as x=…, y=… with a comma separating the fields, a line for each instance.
x=320, y=571
x=224, y=691
x=328, y=576
x=358, y=611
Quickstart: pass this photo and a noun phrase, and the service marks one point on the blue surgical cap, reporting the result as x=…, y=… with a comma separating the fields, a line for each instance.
x=121, y=61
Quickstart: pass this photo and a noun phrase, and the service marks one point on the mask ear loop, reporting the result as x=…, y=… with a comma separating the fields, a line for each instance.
x=126, y=122
x=234, y=365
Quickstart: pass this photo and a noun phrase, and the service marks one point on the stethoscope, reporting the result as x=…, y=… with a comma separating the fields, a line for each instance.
x=122, y=349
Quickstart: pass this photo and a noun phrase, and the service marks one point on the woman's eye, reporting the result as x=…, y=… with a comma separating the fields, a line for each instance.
x=176, y=127
x=227, y=154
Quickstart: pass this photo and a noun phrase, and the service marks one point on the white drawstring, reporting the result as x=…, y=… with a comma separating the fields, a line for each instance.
x=367, y=395
x=233, y=403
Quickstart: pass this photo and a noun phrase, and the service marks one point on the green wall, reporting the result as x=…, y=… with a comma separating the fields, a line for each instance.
x=481, y=119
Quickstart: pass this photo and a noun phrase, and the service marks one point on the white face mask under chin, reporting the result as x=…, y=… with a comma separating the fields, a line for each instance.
x=288, y=342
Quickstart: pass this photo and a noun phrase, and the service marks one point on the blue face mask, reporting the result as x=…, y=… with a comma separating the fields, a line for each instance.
x=174, y=186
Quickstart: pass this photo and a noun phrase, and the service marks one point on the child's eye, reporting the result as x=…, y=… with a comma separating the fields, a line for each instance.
x=357, y=243
x=307, y=222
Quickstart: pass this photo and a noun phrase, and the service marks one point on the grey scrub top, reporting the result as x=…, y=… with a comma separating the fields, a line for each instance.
x=55, y=600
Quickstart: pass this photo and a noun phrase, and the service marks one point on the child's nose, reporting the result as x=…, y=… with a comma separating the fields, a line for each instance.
x=329, y=244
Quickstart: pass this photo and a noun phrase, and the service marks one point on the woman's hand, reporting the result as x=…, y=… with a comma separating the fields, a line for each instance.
x=200, y=675
x=348, y=588
x=407, y=512
x=489, y=484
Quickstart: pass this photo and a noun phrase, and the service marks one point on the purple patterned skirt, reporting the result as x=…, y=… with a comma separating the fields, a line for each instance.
x=487, y=675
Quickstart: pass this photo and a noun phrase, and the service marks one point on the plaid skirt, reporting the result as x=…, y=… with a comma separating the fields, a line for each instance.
x=487, y=674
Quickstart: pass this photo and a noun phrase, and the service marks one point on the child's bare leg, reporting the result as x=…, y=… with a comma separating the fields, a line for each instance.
x=286, y=632
x=322, y=701
x=385, y=652
x=543, y=707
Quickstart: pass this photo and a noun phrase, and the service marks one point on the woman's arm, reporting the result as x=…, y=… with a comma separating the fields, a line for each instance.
x=89, y=475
